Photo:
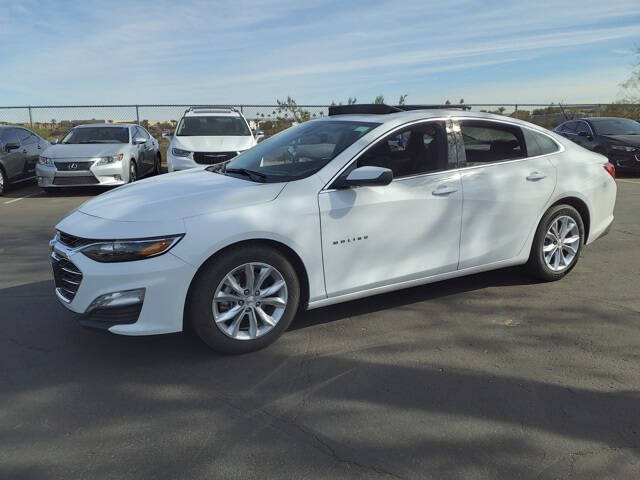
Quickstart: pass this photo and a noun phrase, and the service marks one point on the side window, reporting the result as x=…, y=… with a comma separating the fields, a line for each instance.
x=583, y=127
x=538, y=144
x=9, y=136
x=26, y=137
x=412, y=151
x=569, y=127
x=142, y=132
x=486, y=142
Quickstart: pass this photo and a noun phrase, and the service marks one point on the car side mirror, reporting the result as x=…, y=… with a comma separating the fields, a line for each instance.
x=54, y=141
x=259, y=135
x=168, y=135
x=139, y=141
x=9, y=147
x=367, y=177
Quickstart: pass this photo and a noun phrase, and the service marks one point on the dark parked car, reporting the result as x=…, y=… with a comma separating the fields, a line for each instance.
x=616, y=138
x=19, y=152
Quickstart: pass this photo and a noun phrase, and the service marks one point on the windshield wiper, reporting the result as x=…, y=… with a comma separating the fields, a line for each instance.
x=247, y=173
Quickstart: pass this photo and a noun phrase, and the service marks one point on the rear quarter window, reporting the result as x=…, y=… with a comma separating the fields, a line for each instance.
x=538, y=143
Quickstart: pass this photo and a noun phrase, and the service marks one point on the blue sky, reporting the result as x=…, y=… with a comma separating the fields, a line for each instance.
x=254, y=51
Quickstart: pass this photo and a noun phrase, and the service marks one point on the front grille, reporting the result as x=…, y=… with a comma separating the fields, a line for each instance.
x=73, y=166
x=211, y=158
x=85, y=180
x=72, y=241
x=67, y=277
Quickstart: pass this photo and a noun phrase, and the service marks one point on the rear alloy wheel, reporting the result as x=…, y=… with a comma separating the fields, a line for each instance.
x=4, y=182
x=133, y=172
x=244, y=299
x=557, y=243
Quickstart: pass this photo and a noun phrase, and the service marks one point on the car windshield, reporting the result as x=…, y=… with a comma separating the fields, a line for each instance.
x=616, y=126
x=206, y=126
x=297, y=152
x=98, y=135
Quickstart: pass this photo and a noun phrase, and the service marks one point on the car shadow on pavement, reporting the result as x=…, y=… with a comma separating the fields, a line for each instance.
x=395, y=405
x=408, y=296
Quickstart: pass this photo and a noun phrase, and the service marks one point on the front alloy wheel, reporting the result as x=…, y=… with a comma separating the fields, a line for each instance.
x=249, y=301
x=243, y=298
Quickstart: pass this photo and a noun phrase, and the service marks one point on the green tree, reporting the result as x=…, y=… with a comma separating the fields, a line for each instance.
x=379, y=99
x=290, y=109
x=402, y=99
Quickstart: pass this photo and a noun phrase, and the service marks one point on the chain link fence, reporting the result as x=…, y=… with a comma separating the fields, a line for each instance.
x=55, y=121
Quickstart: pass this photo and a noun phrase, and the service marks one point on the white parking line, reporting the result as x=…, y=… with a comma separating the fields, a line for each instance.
x=627, y=181
x=22, y=198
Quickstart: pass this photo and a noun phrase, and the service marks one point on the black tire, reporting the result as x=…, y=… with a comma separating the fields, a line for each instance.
x=200, y=312
x=537, y=265
x=133, y=165
x=157, y=167
x=4, y=182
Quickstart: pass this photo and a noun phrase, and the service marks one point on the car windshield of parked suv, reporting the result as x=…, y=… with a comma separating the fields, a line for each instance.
x=297, y=152
x=206, y=126
x=616, y=126
x=97, y=135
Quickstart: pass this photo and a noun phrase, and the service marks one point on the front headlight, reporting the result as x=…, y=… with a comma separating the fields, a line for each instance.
x=623, y=148
x=129, y=250
x=108, y=160
x=180, y=153
x=45, y=161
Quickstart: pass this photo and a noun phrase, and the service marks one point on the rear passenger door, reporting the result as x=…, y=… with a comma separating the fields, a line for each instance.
x=505, y=188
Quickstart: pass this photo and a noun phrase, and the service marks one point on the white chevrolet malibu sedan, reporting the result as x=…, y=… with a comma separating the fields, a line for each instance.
x=368, y=200
x=99, y=154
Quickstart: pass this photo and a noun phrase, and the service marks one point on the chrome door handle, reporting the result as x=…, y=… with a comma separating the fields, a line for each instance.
x=444, y=190
x=534, y=176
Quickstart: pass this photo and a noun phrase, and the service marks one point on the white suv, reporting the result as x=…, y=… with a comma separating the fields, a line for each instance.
x=206, y=136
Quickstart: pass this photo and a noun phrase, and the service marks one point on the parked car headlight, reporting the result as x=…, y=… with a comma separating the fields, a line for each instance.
x=624, y=148
x=180, y=153
x=110, y=159
x=45, y=161
x=129, y=250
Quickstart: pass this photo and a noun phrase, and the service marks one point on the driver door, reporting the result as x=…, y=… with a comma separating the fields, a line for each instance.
x=407, y=230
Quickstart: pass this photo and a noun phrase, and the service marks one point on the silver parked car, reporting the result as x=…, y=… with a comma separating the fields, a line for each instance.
x=19, y=152
x=99, y=154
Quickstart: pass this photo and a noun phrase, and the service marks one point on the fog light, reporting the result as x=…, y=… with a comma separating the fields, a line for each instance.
x=117, y=178
x=118, y=299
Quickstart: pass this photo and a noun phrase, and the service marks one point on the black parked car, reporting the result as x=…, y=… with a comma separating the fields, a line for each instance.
x=616, y=138
x=19, y=152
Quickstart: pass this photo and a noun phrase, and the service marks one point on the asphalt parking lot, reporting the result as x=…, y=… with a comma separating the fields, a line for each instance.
x=482, y=377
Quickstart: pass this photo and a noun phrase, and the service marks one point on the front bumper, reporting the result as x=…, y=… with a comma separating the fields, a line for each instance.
x=625, y=160
x=107, y=175
x=165, y=280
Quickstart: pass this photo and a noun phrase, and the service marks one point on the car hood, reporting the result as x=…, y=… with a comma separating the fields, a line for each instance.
x=84, y=150
x=633, y=140
x=179, y=195
x=213, y=144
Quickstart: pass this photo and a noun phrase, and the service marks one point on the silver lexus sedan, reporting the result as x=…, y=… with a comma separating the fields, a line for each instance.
x=99, y=154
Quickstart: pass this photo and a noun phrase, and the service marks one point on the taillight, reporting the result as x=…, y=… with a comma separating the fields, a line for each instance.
x=611, y=170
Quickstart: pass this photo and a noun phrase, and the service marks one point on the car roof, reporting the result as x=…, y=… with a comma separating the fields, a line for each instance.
x=211, y=112
x=107, y=125
x=411, y=115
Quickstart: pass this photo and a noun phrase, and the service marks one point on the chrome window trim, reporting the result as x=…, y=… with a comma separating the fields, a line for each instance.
x=559, y=145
